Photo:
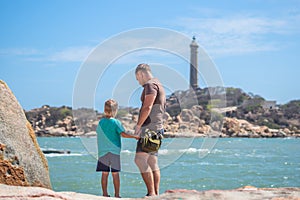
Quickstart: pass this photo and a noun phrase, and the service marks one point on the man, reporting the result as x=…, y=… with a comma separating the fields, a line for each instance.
x=150, y=117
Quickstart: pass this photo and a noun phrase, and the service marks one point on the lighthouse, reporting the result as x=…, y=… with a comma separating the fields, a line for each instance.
x=194, y=64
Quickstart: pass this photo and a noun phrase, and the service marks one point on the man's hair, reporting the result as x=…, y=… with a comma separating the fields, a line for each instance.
x=110, y=108
x=143, y=68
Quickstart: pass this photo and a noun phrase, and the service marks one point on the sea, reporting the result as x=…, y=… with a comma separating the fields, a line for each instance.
x=185, y=163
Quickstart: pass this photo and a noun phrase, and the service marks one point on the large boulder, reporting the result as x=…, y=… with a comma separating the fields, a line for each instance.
x=21, y=159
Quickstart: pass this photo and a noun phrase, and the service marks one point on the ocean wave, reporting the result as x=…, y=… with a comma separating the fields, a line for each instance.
x=63, y=155
x=195, y=150
x=127, y=151
x=176, y=151
x=163, y=151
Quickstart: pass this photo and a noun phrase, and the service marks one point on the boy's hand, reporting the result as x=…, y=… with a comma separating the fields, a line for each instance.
x=137, y=137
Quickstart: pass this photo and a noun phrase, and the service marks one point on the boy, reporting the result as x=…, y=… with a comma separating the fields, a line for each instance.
x=109, y=132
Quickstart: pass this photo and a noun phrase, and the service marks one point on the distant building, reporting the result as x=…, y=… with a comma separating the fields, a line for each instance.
x=194, y=64
x=269, y=105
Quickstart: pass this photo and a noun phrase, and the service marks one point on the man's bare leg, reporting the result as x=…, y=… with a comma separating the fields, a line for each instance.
x=156, y=177
x=104, y=179
x=153, y=163
x=148, y=179
x=116, y=181
x=141, y=161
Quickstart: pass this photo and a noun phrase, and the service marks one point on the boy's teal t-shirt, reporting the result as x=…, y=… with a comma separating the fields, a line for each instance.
x=109, y=136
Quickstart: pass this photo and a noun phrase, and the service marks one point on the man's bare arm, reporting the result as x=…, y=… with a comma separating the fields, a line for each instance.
x=145, y=111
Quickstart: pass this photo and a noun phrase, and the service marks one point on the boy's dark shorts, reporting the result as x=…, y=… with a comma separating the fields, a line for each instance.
x=109, y=163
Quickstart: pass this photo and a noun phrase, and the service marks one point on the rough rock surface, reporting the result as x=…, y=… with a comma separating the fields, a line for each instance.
x=21, y=159
x=245, y=193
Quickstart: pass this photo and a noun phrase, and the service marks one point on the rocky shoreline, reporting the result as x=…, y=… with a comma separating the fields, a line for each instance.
x=59, y=122
x=191, y=113
x=247, y=193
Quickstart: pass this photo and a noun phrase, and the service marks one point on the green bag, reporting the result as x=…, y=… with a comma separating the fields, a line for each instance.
x=151, y=141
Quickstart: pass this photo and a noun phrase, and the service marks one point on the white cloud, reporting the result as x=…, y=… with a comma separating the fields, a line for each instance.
x=71, y=54
x=19, y=51
x=239, y=34
x=220, y=36
x=113, y=50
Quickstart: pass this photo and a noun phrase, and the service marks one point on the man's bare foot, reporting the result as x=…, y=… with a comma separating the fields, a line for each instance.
x=150, y=195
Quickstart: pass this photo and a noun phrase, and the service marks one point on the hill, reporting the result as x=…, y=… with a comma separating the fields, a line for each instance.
x=212, y=112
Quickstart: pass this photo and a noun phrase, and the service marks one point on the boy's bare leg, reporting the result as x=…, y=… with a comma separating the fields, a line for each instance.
x=116, y=180
x=104, y=180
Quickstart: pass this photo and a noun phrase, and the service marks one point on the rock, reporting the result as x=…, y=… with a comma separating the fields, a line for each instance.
x=91, y=134
x=49, y=151
x=186, y=115
x=254, y=135
x=196, y=121
x=56, y=131
x=287, y=131
x=184, y=126
x=174, y=127
x=204, y=129
x=201, y=122
x=231, y=126
x=37, y=193
x=167, y=117
x=281, y=134
x=197, y=110
x=247, y=193
x=21, y=159
x=127, y=117
x=215, y=125
x=243, y=134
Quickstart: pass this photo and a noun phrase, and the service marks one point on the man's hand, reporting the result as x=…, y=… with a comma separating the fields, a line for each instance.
x=138, y=130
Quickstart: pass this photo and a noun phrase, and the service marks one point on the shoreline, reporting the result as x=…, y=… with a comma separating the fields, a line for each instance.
x=176, y=135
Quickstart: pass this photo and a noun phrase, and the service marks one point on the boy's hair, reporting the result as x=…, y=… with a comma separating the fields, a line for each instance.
x=143, y=68
x=110, y=108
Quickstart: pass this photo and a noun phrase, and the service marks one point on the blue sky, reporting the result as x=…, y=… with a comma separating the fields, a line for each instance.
x=254, y=44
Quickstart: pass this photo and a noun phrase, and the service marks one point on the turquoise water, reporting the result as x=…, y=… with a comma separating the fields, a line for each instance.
x=200, y=164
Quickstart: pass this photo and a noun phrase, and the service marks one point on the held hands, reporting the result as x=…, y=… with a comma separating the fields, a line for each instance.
x=137, y=131
x=137, y=137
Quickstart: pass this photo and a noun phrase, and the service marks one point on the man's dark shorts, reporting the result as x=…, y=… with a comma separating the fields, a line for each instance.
x=139, y=145
x=109, y=163
x=139, y=148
